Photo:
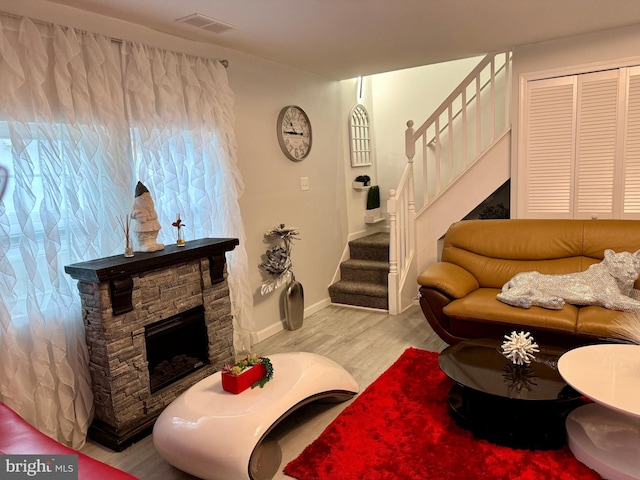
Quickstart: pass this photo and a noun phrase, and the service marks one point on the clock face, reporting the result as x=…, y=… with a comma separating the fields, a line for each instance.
x=294, y=133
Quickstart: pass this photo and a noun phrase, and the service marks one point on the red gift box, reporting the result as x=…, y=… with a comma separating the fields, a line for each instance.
x=239, y=383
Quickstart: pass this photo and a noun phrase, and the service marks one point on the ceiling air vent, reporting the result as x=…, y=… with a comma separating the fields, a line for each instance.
x=206, y=23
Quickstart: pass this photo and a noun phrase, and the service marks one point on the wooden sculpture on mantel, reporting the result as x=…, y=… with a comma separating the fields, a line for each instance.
x=147, y=225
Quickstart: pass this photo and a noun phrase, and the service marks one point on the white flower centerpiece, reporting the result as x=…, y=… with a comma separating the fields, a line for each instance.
x=519, y=348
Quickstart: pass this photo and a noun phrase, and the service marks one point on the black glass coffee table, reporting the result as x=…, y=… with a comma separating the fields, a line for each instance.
x=516, y=406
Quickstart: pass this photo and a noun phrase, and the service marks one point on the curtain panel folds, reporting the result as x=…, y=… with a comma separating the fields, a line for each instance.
x=82, y=119
x=180, y=113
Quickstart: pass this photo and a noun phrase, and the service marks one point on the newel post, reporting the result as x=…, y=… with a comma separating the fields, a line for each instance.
x=409, y=142
x=393, y=284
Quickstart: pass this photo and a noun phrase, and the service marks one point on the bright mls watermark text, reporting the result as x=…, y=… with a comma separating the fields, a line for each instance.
x=49, y=467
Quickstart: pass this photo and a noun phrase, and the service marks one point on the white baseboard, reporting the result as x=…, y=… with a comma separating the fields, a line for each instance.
x=270, y=331
x=277, y=327
x=316, y=307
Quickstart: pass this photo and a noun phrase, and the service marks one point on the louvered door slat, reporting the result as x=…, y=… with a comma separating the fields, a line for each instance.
x=632, y=146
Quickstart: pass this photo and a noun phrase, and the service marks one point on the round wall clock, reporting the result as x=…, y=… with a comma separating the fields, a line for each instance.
x=294, y=133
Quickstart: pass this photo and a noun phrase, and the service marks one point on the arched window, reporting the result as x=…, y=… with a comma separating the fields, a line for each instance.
x=360, y=137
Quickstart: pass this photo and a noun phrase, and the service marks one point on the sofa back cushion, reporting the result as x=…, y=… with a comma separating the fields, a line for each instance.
x=494, y=251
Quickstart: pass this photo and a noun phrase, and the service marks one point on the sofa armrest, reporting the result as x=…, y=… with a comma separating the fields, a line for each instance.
x=448, y=278
x=18, y=437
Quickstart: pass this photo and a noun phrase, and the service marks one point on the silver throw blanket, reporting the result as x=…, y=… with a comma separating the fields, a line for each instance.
x=608, y=284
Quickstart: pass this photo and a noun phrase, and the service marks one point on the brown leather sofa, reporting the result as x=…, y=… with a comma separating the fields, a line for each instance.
x=458, y=293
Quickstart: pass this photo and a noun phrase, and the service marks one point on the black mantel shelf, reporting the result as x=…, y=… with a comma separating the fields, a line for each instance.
x=118, y=266
x=118, y=270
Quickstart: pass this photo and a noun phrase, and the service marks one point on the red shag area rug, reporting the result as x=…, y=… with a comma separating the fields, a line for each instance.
x=399, y=428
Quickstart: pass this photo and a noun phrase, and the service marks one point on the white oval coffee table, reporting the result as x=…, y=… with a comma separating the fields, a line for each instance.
x=605, y=435
x=216, y=435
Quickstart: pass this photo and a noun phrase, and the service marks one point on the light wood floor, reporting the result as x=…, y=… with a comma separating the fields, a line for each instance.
x=365, y=342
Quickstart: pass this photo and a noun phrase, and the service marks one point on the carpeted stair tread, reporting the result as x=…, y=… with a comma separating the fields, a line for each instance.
x=363, y=288
x=371, y=247
x=359, y=264
x=362, y=294
x=376, y=239
x=373, y=271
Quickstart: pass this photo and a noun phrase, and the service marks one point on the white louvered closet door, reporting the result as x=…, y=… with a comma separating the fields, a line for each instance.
x=597, y=131
x=580, y=146
x=546, y=160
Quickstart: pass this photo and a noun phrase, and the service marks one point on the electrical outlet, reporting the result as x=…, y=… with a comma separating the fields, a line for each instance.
x=304, y=183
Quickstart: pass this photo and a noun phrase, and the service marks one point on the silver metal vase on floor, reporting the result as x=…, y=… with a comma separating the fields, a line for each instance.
x=293, y=305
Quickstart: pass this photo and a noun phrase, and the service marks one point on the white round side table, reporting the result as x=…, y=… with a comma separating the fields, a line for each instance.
x=605, y=435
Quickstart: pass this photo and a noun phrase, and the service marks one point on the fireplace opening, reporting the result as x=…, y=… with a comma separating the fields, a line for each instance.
x=176, y=347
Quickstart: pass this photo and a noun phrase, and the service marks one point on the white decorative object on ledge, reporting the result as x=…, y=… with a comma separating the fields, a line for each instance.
x=373, y=216
x=359, y=186
x=519, y=347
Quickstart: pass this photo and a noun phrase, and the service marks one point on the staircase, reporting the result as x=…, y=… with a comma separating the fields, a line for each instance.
x=463, y=150
x=364, y=277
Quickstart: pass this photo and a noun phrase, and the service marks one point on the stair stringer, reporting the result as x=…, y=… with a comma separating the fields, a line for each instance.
x=479, y=181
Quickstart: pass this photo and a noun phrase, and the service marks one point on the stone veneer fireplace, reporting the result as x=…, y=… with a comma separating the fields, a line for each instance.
x=129, y=305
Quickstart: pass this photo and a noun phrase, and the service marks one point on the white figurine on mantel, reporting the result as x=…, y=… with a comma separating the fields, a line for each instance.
x=147, y=226
x=519, y=347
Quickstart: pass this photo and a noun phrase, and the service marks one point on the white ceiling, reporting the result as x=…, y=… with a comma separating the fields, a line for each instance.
x=344, y=39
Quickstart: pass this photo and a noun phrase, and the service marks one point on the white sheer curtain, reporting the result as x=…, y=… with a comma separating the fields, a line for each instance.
x=67, y=142
x=59, y=113
x=182, y=125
